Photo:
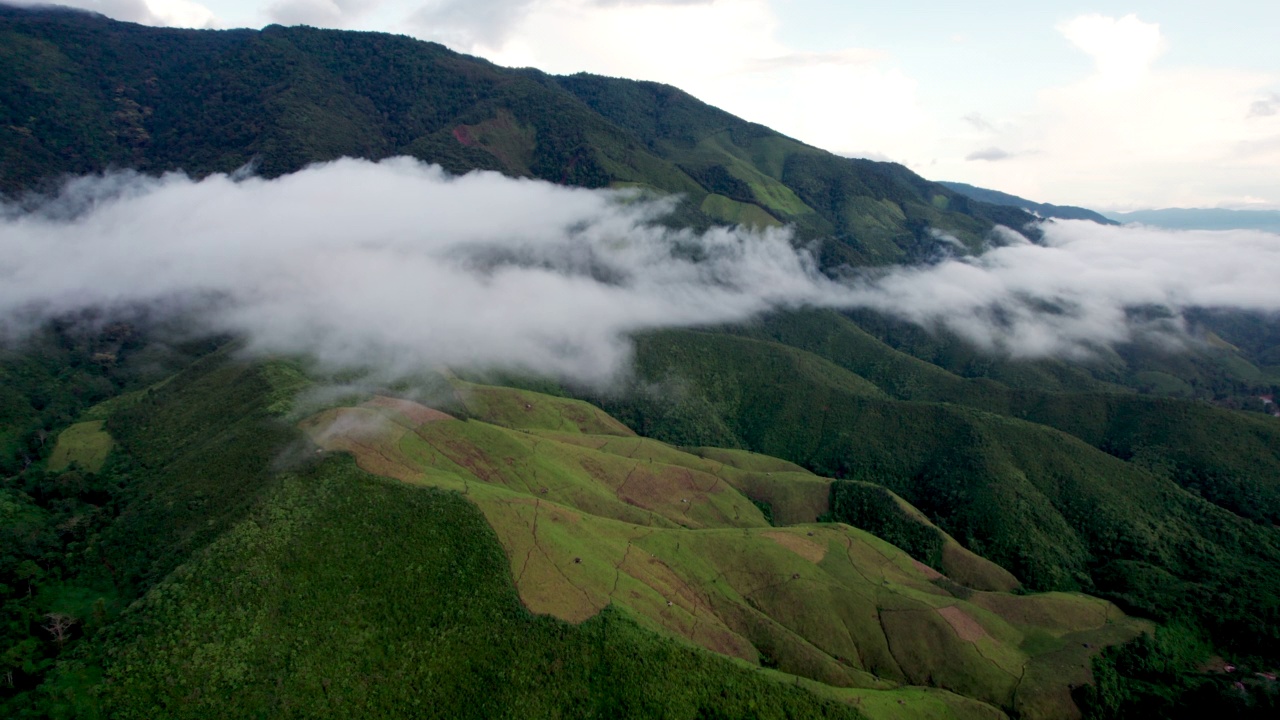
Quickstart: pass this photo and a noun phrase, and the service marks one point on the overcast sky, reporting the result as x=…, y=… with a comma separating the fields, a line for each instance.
x=1111, y=105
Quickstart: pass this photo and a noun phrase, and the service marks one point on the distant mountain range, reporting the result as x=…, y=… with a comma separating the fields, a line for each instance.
x=1045, y=210
x=1203, y=219
x=1170, y=218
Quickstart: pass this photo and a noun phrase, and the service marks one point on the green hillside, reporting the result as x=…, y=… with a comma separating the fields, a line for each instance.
x=234, y=568
x=312, y=584
x=85, y=93
x=1056, y=511
x=1228, y=457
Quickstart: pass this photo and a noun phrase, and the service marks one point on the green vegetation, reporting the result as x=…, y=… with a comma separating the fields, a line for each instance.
x=345, y=594
x=256, y=568
x=1164, y=675
x=593, y=521
x=876, y=509
x=88, y=94
x=84, y=444
x=1227, y=457
x=255, y=561
x=1057, y=512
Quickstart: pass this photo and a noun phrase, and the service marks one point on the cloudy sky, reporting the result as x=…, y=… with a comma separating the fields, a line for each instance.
x=1112, y=105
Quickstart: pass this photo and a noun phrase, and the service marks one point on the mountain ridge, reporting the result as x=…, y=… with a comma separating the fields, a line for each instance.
x=94, y=94
x=1202, y=219
x=1046, y=210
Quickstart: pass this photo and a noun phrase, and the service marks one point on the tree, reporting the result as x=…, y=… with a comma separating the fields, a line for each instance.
x=59, y=625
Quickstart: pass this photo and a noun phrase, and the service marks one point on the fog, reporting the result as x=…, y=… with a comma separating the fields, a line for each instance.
x=395, y=264
x=400, y=266
x=1085, y=287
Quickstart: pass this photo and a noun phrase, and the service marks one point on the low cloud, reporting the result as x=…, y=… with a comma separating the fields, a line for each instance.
x=489, y=23
x=1087, y=287
x=991, y=154
x=171, y=13
x=399, y=266
x=396, y=264
x=979, y=122
x=1265, y=108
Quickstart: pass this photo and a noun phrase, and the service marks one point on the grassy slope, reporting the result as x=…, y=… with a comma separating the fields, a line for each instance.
x=1230, y=458
x=1052, y=509
x=345, y=595
x=84, y=444
x=595, y=521
x=324, y=590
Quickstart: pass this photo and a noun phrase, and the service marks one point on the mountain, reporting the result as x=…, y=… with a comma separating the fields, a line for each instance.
x=995, y=197
x=1203, y=219
x=249, y=547
x=813, y=514
x=90, y=94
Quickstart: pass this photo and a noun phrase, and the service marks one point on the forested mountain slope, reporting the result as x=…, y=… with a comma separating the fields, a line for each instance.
x=86, y=94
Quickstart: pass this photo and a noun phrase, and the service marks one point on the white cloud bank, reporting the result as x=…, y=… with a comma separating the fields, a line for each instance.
x=1073, y=294
x=1136, y=131
x=170, y=13
x=398, y=265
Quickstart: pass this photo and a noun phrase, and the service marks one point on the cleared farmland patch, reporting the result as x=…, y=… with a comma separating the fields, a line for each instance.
x=84, y=444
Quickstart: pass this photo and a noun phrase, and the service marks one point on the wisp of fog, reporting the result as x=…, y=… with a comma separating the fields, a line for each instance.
x=399, y=265
x=1084, y=287
x=396, y=264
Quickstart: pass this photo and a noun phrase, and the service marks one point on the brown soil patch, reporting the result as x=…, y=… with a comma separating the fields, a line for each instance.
x=368, y=434
x=463, y=135
x=965, y=626
x=414, y=412
x=804, y=547
x=925, y=570
x=674, y=492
